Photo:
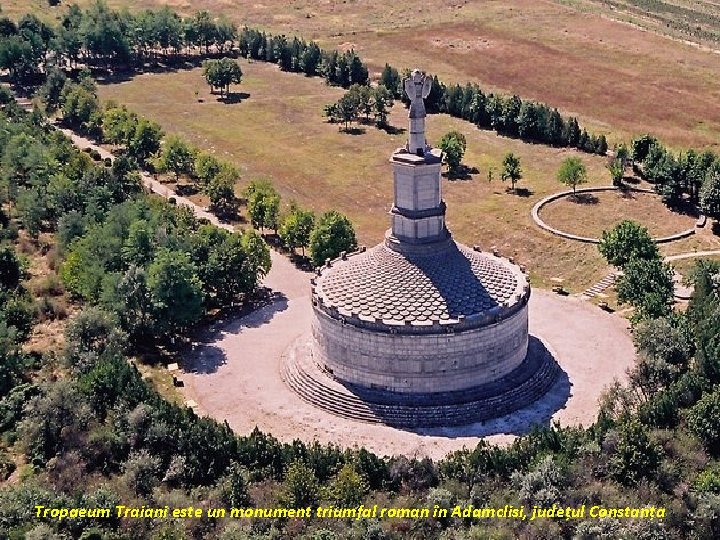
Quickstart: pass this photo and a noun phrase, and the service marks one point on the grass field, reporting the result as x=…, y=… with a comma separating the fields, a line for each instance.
x=592, y=213
x=277, y=131
x=618, y=78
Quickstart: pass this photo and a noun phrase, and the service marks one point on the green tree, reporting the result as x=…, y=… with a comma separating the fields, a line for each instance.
x=11, y=270
x=206, y=167
x=511, y=170
x=348, y=487
x=139, y=246
x=175, y=291
x=263, y=204
x=347, y=108
x=301, y=486
x=572, y=173
x=382, y=101
x=177, y=156
x=119, y=125
x=52, y=88
x=258, y=259
x=390, y=79
x=710, y=192
x=221, y=192
x=296, y=228
x=617, y=171
x=626, y=241
x=234, y=487
x=647, y=285
x=145, y=140
x=702, y=420
x=453, y=145
x=221, y=74
x=80, y=107
x=90, y=336
x=333, y=233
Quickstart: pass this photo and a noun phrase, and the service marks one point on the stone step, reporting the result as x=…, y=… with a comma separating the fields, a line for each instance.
x=316, y=387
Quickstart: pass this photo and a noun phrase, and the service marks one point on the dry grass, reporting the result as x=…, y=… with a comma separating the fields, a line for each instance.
x=277, y=131
x=618, y=78
x=161, y=379
x=52, y=306
x=685, y=266
x=590, y=214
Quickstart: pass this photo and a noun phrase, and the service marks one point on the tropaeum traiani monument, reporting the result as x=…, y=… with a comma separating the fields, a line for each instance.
x=420, y=330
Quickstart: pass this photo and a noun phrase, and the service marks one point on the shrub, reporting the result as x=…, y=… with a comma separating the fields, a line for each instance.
x=702, y=420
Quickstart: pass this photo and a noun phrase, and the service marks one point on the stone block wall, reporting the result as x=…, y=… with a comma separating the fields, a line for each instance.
x=439, y=362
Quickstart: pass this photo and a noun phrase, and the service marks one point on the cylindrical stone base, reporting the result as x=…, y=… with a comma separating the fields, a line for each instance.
x=420, y=363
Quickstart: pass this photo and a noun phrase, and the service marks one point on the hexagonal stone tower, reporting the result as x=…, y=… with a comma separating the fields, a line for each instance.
x=421, y=319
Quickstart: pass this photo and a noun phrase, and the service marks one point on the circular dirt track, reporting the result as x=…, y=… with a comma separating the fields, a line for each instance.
x=540, y=222
x=239, y=363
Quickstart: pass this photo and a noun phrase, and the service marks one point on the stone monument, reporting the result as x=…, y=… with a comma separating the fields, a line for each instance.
x=421, y=321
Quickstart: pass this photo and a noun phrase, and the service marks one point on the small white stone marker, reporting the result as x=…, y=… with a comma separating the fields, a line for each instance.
x=173, y=367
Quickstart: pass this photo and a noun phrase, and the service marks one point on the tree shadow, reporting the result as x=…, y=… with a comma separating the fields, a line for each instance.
x=392, y=130
x=634, y=180
x=233, y=97
x=520, y=192
x=462, y=173
x=686, y=208
x=205, y=354
x=584, y=198
x=186, y=190
x=354, y=130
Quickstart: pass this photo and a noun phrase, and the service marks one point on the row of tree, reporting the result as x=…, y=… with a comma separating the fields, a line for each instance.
x=327, y=236
x=118, y=40
x=507, y=115
x=689, y=175
x=358, y=103
x=646, y=282
x=119, y=246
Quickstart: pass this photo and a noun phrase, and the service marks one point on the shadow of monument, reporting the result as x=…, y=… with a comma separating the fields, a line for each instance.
x=451, y=274
x=204, y=356
x=526, y=398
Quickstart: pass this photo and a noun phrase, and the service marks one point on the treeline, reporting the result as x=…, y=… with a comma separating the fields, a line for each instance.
x=327, y=236
x=120, y=40
x=142, y=142
x=99, y=36
x=692, y=174
x=507, y=115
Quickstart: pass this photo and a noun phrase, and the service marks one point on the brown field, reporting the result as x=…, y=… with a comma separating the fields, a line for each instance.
x=618, y=78
x=278, y=131
x=592, y=213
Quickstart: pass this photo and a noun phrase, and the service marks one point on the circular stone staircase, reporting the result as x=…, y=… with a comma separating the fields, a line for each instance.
x=526, y=384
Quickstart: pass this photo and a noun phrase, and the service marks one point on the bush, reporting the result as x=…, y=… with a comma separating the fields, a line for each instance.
x=702, y=420
x=635, y=456
x=141, y=472
x=301, y=486
x=708, y=480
